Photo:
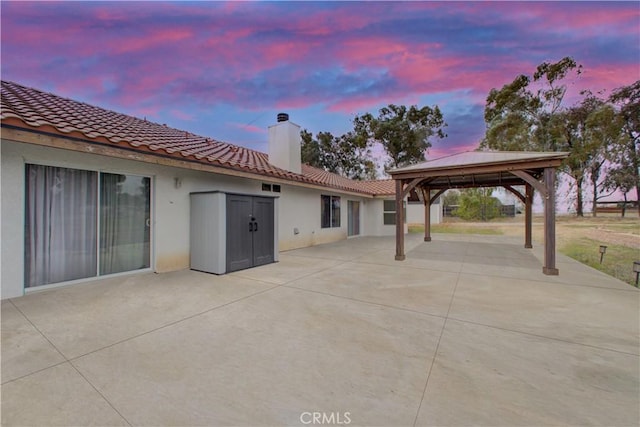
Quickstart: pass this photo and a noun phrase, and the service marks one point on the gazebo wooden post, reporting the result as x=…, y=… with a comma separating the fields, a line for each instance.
x=399, y=222
x=528, y=206
x=549, y=267
x=427, y=214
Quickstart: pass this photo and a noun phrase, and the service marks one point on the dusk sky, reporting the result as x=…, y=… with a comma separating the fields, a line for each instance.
x=225, y=69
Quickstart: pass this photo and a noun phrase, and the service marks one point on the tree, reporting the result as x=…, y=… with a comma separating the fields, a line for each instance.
x=451, y=198
x=348, y=155
x=603, y=130
x=403, y=132
x=477, y=203
x=519, y=115
x=528, y=115
x=310, y=150
x=578, y=131
x=625, y=172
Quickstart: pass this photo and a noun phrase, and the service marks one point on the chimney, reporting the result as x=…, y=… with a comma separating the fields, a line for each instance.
x=284, y=144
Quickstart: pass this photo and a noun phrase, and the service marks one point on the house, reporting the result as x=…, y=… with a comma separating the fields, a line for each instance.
x=88, y=193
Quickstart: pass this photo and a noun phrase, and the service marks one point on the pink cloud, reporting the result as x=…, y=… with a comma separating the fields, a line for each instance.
x=182, y=115
x=339, y=57
x=249, y=128
x=156, y=38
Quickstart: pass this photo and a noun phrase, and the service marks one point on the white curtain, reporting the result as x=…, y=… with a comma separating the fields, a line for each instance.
x=61, y=232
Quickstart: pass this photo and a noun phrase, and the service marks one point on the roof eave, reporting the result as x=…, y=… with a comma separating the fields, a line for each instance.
x=14, y=129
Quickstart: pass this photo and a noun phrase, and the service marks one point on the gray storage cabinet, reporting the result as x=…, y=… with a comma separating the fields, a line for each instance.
x=232, y=232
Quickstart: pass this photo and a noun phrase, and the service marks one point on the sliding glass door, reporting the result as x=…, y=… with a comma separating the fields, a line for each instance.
x=124, y=223
x=82, y=224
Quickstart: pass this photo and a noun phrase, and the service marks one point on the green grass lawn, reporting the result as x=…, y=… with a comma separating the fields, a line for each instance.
x=617, y=262
x=620, y=226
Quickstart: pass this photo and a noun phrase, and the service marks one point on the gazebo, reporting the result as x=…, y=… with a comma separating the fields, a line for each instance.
x=474, y=169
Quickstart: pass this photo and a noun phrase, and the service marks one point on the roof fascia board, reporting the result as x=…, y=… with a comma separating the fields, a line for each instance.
x=558, y=155
x=29, y=136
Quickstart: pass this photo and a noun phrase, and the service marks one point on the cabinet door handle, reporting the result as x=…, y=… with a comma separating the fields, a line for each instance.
x=250, y=226
x=255, y=226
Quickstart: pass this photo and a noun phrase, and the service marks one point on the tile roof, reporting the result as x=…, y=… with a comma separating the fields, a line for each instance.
x=377, y=187
x=49, y=112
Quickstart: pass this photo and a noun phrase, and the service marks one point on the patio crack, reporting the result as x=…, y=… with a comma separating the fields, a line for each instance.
x=175, y=322
x=66, y=360
x=435, y=353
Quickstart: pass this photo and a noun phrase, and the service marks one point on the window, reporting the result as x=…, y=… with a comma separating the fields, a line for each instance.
x=82, y=224
x=330, y=211
x=276, y=188
x=389, y=212
x=266, y=187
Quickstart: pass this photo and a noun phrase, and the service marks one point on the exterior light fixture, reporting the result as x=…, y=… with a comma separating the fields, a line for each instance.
x=636, y=269
x=603, y=250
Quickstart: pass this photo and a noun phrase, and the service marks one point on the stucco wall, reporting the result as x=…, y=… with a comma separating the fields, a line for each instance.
x=169, y=205
x=415, y=213
x=12, y=222
x=296, y=207
x=374, y=219
x=300, y=209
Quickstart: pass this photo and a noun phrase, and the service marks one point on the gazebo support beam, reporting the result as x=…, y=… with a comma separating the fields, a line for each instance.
x=549, y=267
x=399, y=221
x=516, y=193
x=532, y=181
x=528, y=216
x=410, y=186
x=438, y=194
x=427, y=214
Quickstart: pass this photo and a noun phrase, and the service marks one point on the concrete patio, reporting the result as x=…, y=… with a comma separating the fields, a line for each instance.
x=466, y=331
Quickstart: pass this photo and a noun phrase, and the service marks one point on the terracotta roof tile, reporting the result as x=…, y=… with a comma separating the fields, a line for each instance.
x=36, y=109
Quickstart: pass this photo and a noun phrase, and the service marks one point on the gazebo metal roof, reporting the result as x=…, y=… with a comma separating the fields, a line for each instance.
x=480, y=168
